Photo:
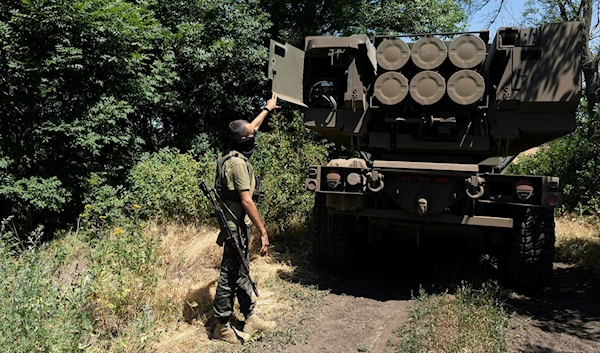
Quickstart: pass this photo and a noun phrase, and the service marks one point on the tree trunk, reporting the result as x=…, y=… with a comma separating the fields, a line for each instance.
x=589, y=60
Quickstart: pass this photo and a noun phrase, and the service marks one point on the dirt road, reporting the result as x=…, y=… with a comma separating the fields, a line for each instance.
x=351, y=324
x=565, y=317
x=366, y=306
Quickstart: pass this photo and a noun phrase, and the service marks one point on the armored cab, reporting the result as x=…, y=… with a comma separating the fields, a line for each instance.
x=431, y=113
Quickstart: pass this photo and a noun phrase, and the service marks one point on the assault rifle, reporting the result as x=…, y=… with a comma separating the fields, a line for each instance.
x=216, y=203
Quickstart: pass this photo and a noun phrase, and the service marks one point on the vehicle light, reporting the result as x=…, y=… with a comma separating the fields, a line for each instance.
x=354, y=179
x=524, y=189
x=423, y=179
x=406, y=178
x=552, y=200
x=333, y=179
x=441, y=180
x=311, y=185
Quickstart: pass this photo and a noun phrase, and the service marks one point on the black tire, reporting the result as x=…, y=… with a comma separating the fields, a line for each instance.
x=331, y=243
x=532, y=248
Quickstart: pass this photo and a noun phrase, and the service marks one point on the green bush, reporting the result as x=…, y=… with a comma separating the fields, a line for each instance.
x=78, y=105
x=575, y=159
x=283, y=156
x=166, y=184
x=88, y=290
x=104, y=206
x=30, y=199
x=124, y=268
x=37, y=314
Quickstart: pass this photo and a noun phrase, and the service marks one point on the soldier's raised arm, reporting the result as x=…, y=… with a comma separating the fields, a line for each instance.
x=271, y=104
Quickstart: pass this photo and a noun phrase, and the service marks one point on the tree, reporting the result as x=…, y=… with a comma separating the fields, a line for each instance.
x=72, y=75
x=88, y=85
x=220, y=51
x=293, y=20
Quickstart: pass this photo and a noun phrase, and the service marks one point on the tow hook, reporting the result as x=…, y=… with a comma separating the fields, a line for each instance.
x=474, y=186
x=375, y=183
x=422, y=206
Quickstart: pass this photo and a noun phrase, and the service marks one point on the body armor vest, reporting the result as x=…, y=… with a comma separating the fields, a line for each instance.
x=257, y=195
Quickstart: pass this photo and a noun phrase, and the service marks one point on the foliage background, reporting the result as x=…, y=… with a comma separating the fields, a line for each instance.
x=575, y=159
x=89, y=86
x=112, y=111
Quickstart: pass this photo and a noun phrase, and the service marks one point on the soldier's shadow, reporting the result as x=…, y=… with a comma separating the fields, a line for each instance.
x=197, y=306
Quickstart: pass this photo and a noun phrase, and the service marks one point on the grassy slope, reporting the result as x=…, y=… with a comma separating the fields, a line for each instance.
x=151, y=289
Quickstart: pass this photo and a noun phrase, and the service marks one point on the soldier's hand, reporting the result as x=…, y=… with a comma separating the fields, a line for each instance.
x=272, y=103
x=264, y=239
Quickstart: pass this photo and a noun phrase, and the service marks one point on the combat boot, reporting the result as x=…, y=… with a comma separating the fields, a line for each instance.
x=254, y=324
x=225, y=332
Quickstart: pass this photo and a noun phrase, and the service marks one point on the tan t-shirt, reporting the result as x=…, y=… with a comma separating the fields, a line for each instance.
x=238, y=175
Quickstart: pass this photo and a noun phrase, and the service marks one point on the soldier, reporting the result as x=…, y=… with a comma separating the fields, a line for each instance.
x=236, y=183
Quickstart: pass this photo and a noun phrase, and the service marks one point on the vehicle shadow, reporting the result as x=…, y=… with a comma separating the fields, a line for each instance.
x=569, y=305
x=391, y=269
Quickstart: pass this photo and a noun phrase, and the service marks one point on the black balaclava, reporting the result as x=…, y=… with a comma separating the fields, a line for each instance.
x=245, y=147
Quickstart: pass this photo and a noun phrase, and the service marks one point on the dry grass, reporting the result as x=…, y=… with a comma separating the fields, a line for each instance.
x=153, y=289
x=189, y=265
x=578, y=241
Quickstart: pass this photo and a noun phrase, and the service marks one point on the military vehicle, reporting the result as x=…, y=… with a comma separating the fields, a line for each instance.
x=433, y=116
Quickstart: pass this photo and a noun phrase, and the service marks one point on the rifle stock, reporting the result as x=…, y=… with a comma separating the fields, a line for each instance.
x=216, y=202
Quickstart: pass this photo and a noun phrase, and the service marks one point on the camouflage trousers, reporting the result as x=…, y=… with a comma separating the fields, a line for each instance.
x=233, y=283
